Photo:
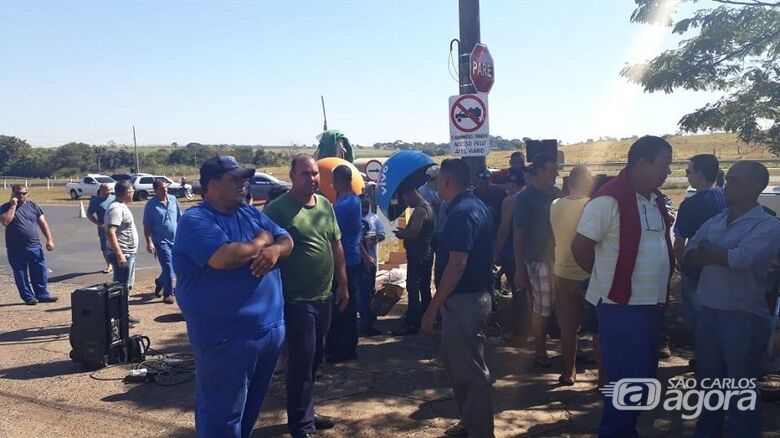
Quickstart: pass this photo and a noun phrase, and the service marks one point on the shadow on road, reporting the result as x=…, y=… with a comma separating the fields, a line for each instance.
x=43, y=370
x=171, y=317
x=64, y=277
x=35, y=335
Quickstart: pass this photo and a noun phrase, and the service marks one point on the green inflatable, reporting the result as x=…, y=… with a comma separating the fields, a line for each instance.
x=335, y=144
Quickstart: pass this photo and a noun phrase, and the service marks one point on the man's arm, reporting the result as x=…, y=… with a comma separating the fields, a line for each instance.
x=584, y=251
x=340, y=265
x=8, y=217
x=678, y=248
x=521, y=273
x=235, y=254
x=46, y=232
x=456, y=265
x=149, y=244
x=414, y=226
x=268, y=256
x=93, y=218
x=113, y=243
x=380, y=230
x=503, y=227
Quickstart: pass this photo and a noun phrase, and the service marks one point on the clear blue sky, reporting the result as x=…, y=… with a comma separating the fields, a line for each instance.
x=251, y=72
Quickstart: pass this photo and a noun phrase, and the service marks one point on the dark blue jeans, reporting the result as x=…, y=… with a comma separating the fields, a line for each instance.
x=730, y=345
x=418, y=288
x=342, y=339
x=629, y=337
x=165, y=258
x=365, y=296
x=231, y=381
x=307, y=325
x=29, y=260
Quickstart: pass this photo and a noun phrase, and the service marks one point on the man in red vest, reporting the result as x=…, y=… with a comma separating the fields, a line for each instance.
x=623, y=240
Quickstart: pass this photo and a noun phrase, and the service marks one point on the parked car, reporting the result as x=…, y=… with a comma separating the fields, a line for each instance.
x=262, y=183
x=88, y=186
x=143, y=185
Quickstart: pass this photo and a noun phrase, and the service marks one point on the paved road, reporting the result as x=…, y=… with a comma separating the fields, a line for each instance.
x=77, y=255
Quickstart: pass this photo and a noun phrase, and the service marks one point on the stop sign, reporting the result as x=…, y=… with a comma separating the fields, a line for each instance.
x=482, y=71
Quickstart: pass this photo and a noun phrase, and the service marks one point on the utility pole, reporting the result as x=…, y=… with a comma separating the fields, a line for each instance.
x=468, y=12
x=324, y=116
x=137, y=168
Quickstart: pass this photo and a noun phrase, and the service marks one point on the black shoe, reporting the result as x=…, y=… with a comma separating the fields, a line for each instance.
x=49, y=299
x=340, y=359
x=405, y=330
x=158, y=287
x=31, y=302
x=321, y=422
x=369, y=332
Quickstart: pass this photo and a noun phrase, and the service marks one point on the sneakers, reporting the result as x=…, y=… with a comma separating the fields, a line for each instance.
x=49, y=299
x=168, y=299
x=31, y=302
x=321, y=422
x=456, y=430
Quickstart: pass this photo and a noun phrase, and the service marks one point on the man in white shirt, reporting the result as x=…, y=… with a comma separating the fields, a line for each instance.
x=623, y=240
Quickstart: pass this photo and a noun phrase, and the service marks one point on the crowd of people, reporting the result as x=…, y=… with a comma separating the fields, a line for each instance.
x=299, y=276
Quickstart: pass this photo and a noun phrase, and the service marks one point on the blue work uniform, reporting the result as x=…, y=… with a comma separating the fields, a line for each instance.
x=98, y=207
x=235, y=321
x=163, y=219
x=25, y=253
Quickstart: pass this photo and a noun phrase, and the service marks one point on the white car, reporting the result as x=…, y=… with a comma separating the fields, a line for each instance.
x=88, y=186
x=142, y=183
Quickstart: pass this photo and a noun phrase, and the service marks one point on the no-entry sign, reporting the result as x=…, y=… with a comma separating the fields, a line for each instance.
x=482, y=70
x=469, y=127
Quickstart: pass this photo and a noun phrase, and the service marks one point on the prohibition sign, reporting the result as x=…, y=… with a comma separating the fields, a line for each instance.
x=468, y=107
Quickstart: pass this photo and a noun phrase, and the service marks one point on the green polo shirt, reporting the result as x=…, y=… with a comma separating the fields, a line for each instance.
x=307, y=274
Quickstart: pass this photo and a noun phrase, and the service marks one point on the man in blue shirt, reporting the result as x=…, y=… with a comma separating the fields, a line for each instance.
x=96, y=212
x=342, y=339
x=703, y=171
x=21, y=219
x=230, y=292
x=373, y=233
x=161, y=216
x=734, y=250
x=464, y=280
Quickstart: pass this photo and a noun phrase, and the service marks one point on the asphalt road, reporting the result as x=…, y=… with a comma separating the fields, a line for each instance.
x=77, y=255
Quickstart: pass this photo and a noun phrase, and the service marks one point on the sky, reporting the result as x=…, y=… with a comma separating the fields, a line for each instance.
x=252, y=72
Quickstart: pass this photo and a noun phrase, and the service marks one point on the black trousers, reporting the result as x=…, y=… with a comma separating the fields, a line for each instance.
x=342, y=337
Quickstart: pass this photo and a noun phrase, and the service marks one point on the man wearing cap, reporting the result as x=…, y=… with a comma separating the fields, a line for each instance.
x=161, y=217
x=230, y=292
x=96, y=212
x=491, y=195
x=534, y=248
x=308, y=276
x=22, y=218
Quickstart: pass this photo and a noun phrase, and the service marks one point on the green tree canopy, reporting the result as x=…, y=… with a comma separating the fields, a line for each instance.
x=733, y=48
x=12, y=149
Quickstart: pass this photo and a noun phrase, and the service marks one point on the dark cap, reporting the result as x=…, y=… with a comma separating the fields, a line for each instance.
x=483, y=174
x=216, y=166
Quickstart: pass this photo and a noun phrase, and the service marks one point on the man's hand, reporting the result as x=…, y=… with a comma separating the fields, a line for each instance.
x=426, y=325
x=150, y=248
x=14, y=201
x=50, y=245
x=265, y=261
x=370, y=261
x=521, y=280
x=342, y=297
x=121, y=260
x=263, y=239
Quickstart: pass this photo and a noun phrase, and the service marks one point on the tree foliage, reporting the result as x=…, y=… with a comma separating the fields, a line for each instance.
x=12, y=149
x=733, y=48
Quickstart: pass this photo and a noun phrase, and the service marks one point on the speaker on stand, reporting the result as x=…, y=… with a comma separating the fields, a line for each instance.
x=99, y=333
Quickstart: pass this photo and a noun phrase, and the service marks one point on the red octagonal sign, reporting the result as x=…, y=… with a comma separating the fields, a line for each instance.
x=482, y=70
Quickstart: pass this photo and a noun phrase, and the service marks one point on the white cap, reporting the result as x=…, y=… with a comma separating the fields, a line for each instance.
x=432, y=172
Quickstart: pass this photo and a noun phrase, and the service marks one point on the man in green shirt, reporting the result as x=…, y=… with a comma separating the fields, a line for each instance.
x=307, y=279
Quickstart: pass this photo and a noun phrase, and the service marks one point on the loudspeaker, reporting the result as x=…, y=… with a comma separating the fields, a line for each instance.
x=536, y=147
x=99, y=330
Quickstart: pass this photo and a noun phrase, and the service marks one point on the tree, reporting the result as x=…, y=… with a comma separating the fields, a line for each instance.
x=733, y=48
x=12, y=149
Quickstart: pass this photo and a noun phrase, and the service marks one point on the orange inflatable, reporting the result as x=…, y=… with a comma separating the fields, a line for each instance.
x=326, y=166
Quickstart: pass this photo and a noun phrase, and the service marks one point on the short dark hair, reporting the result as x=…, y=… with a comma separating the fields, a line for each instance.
x=16, y=187
x=456, y=170
x=541, y=160
x=647, y=148
x=342, y=173
x=708, y=165
x=157, y=181
x=757, y=171
x=516, y=154
x=298, y=157
x=121, y=188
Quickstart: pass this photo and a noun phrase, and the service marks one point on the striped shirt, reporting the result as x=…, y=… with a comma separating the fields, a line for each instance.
x=600, y=222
